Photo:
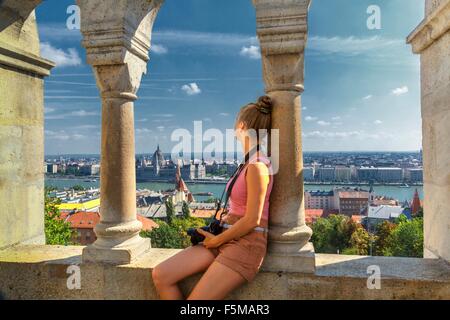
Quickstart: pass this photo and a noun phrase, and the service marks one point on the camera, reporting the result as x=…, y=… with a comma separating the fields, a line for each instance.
x=214, y=227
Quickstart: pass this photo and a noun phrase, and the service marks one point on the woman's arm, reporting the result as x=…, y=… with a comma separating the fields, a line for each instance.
x=257, y=182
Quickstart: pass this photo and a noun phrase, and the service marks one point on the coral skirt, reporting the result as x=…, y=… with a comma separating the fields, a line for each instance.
x=244, y=255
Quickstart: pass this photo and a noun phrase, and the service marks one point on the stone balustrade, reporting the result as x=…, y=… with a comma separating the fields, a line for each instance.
x=40, y=272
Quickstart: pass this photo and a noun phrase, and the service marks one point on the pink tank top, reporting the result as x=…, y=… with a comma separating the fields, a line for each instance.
x=238, y=197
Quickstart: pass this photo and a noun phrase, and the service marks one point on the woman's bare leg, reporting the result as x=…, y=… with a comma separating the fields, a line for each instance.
x=217, y=282
x=185, y=263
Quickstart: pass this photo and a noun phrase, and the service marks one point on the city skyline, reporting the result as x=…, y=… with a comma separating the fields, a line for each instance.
x=204, y=68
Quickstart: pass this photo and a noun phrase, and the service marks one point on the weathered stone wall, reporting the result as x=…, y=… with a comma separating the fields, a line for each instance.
x=431, y=5
x=431, y=39
x=21, y=132
x=40, y=272
x=435, y=66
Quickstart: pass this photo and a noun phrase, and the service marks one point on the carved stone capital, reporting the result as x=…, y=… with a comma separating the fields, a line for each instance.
x=117, y=39
x=282, y=32
x=120, y=80
x=15, y=10
x=435, y=25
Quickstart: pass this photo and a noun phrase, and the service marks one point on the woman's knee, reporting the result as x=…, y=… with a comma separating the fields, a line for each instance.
x=159, y=276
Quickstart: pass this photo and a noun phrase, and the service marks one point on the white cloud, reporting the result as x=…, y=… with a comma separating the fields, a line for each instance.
x=323, y=123
x=400, y=91
x=368, y=97
x=48, y=110
x=360, y=135
x=159, y=49
x=351, y=46
x=83, y=113
x=58, y=32
x=86, y=126
x=142, y=120
x=304, y=108
x=378, y=122
x=204, y=38
x=59, y=56
x=374, y=50
x=63, y=135
x=160, y=128
x=78, y=136
x=78, y=113
x=224, y=114
x=164, y=115
x=329, y=134
x=336, y=118
x=251, y=52
x=309, y=118
x=191, y=89
x=141, y=131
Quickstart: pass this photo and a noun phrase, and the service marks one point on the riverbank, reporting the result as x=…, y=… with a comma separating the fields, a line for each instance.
x=206, y=181
x=398, y=192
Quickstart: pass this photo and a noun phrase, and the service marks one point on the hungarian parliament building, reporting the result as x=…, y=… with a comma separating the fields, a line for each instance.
x=160, y=169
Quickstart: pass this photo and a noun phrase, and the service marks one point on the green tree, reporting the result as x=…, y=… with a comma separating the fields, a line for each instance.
x=360, y=241
x=170, y=210
x=57, y=231
x=321, y=235
x=78, y=188
x=406, y=239
x=183, y=224
x=332, y=234
x=383, y=234
x=173, y=235
x=164, y=236
x=186, y=210
x=343, y=228
x=401, y=218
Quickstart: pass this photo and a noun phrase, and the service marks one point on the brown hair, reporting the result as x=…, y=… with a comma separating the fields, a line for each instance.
x=257, y=116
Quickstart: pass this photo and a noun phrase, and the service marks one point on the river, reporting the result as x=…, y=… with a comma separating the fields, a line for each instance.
x=395, y=192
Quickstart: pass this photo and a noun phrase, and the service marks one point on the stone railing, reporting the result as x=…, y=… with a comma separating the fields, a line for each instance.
x=41, y=272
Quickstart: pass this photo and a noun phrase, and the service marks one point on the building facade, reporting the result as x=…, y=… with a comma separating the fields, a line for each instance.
x=343, y=174
x=352, y=202
x=319, y=200
x=389, y=174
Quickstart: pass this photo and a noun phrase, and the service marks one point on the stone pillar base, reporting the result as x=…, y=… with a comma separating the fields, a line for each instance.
x=303, y=261
x=124, y=253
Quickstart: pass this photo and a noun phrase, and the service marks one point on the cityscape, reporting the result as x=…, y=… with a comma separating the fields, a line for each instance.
x=319, y=167
x=336, y=183
x=122, y=128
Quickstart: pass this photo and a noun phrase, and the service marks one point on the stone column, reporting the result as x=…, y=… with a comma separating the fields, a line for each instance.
x=22, y=73
x=431, y=39
x=282, y=32
x=117, y=41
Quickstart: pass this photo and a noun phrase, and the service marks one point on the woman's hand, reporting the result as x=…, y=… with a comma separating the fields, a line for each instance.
x=211, y=241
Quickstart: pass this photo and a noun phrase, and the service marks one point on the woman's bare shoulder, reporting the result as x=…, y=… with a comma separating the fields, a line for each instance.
x=258, y=168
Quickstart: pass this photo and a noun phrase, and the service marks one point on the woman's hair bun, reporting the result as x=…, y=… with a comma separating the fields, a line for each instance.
x=264, y=104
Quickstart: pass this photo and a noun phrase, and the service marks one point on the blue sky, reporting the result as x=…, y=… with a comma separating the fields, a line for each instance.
x=362, y=87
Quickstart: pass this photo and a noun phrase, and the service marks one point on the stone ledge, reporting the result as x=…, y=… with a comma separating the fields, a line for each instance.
x=25, y=61
x=431, y=28
x=39, y=272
